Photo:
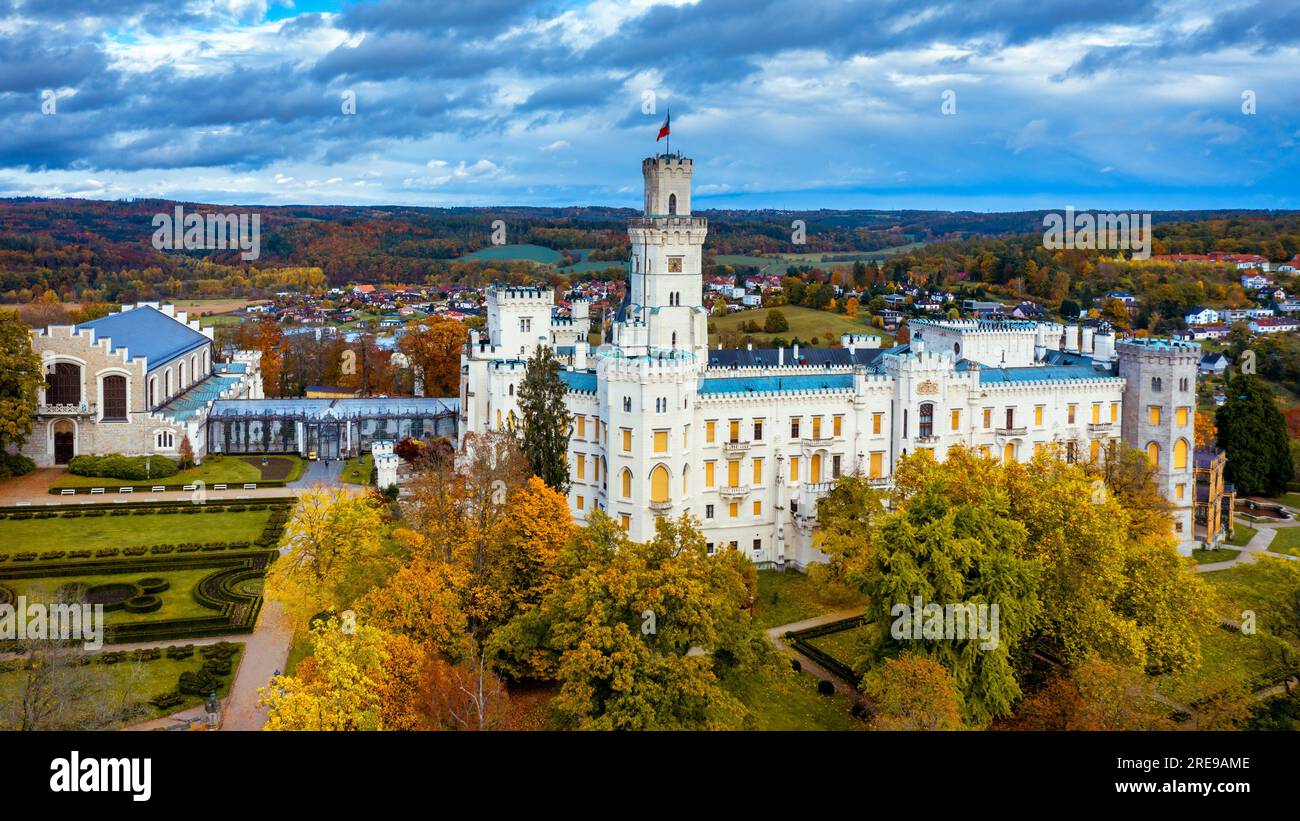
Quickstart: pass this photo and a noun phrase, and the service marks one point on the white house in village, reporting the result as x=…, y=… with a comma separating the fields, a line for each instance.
x=748, y=440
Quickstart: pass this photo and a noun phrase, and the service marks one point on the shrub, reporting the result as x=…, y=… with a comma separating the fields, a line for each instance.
x=825, y=687
x=117, y=466
x=166, y=701
x=15, y=464
x=143, y=604
x=197, y=683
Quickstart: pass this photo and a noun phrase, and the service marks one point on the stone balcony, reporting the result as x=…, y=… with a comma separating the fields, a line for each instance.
x=1011, y=431
x=926, y=440
x=661, y=507
x=735, y=450
x=79, y=409
x=1100, y=427
x=816, y=441
x=731, y=493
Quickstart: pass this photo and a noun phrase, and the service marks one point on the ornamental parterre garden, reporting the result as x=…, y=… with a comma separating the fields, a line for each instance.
x=163, y=571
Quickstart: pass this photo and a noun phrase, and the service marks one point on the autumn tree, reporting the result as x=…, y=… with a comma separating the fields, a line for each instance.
x=775, y=323
x=265, y=335
x=20, y=379
x=1093, y=695
x=330, y=532
x=544, y=423
x=185, y=453
x=433, y=347
x=641, y=636
x=1205, y=432
x=912, y=692
x=357, y=678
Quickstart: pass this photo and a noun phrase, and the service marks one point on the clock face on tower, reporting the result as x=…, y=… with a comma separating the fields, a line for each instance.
x=674, y=265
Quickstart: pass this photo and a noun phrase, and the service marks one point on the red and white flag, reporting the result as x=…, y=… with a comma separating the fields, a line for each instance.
x=663, y=129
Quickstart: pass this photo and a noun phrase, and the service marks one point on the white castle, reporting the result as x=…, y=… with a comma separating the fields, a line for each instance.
x=747, y=441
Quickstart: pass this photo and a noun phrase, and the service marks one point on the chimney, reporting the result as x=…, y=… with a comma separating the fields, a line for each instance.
x=796, y=353
x=580, y=355
x=780, y=357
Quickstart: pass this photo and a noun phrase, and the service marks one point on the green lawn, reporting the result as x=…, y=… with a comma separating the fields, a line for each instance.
x=1291, y=500
x=357, y=470
x=1226, y=658
x=92, y=532
x=1241, y=534
x=1267, y=586
x=784, y=598
x=1218, y=554
x=177, y=600
x=228, y=470
x=845, y=646
x=1286, y=541
x=135, y=682
x=778, y=698
x=805, y=323
x=531, y=253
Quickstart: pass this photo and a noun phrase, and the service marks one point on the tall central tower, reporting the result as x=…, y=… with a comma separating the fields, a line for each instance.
x=664, y=310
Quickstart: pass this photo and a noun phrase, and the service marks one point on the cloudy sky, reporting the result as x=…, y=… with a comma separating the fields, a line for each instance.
x=1111, y=104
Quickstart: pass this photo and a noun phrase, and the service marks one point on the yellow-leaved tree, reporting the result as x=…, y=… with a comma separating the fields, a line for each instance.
x=331, y=532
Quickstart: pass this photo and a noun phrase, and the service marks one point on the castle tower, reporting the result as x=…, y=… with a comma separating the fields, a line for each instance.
x=1159, y=415
x=664, y=308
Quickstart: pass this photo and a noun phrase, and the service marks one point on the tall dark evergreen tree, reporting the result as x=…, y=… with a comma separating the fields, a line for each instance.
x=544, y=427
x=1252, y=430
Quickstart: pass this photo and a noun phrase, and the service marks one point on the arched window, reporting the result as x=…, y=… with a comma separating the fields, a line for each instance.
x=153, y=391
x=672, y=203
x=167, y=384
x=180, y=370
x=686, y=480
x=815, y=474
x=627, y=483
x=1009, y=452
x=1180, y=454
x=512, y=389
x=659, y=484
x=674, y=339
x=165, y=440
x=927, y=419
x=1153, y=454
x=115, y=398
x=194, y=369
x=207, y=367
x=63, y=386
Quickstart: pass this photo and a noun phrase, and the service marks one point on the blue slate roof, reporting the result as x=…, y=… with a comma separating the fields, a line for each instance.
x=769, y=357
x=1052, y=373
x=776, y=384
x=581, y=381
x=147, y=333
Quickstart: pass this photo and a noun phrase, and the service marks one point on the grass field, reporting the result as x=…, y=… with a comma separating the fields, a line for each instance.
x=778, y=264
x=785, y=598
x=214, y=470
x=177, y=600
x=89, y=533
x=134, y=683
x=805, y=323
x=531, y=253
x=1218, y=554
x=1286, y=541
x=778, y=698
x=357, y=470
x=844, y=646
x=1241, y=534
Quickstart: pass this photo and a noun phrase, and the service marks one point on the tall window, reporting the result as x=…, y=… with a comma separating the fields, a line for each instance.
x=115, y=398
x=63, y=387
x=672, y=203
x=927, y=420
